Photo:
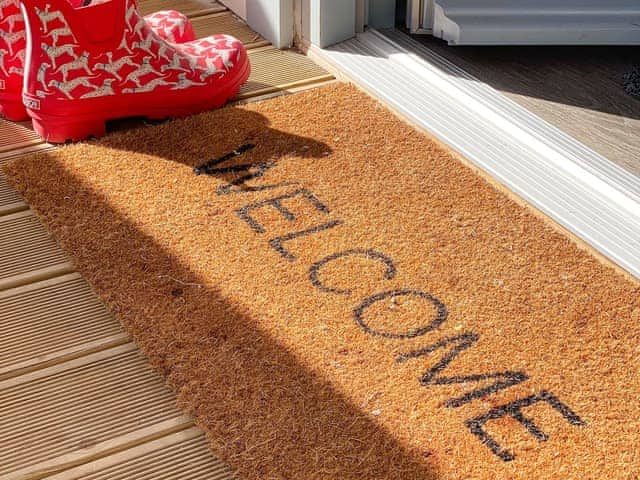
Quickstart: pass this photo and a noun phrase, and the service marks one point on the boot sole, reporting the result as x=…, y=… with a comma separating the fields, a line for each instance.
x=74, y=128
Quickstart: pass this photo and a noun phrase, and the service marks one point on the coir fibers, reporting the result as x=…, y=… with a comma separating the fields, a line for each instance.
x=345, y=299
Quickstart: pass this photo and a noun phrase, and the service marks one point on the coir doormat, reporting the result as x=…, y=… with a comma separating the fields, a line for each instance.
x=333, y=295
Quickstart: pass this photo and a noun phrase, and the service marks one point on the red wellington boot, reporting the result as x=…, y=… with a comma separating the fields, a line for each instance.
x=107, y=63
x=168, y=24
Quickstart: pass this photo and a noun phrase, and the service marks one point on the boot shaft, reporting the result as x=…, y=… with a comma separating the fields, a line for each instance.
x=99, y=22
x=13, y=43
x=169, y=24
x=86, y=52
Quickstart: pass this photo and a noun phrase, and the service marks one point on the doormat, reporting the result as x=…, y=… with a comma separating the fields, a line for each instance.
x=332, y=294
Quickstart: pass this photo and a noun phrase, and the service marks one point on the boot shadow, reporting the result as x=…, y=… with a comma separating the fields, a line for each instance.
x=213, y=135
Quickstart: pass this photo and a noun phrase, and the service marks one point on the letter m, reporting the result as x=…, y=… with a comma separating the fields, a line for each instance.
x=456, y=345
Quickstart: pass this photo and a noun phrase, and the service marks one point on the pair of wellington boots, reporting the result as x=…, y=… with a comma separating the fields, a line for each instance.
x=71, y=66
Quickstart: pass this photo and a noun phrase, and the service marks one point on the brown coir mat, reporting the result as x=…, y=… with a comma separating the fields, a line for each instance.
x=336, y=296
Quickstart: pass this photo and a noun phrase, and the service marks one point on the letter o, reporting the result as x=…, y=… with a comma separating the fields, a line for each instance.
x=441, y=313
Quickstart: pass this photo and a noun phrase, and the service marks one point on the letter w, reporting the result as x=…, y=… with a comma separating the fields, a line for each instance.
x=252, y=172
x=460, y=343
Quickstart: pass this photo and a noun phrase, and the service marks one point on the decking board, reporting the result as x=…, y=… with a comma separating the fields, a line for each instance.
x=57, y=417
x=28, y=252
x=179, y=456
x=55, y=320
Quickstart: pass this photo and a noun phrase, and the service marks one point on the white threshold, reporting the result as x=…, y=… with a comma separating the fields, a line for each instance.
x=581, y=190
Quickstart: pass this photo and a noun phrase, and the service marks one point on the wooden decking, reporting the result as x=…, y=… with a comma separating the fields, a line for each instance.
x=77, y=400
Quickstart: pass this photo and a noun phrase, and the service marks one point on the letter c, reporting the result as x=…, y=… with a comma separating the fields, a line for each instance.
x=441, y=313
x=314, y=271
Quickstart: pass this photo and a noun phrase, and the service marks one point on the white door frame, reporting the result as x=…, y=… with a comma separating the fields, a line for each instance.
x=361, y=15
x=420, y=16
x=326, y=22
x=273, y=19
x=318, y=22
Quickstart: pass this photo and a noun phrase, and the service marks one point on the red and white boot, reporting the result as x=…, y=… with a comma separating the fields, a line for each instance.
x=171, y=25
x=107, y=63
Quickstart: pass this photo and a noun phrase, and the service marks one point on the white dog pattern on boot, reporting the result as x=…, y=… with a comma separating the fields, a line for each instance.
x=68, y=87
x=80, y=63
x=46, y=16
x=101, y=91
x=11, y=39
x=60, y=32
x=54, y=52
x=114, y=67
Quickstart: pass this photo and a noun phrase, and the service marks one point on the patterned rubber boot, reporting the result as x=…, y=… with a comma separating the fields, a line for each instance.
x=107, y=63
x=168, y=24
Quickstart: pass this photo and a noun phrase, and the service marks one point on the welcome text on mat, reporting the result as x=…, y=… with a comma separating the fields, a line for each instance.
x=453, y=345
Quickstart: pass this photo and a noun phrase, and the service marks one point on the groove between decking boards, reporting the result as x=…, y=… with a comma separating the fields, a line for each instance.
x=10, y=201
x=53, y=321
x=16, y=135
x=28, y=252
x=179, y=456
x=62, y=416
x=191, y=8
